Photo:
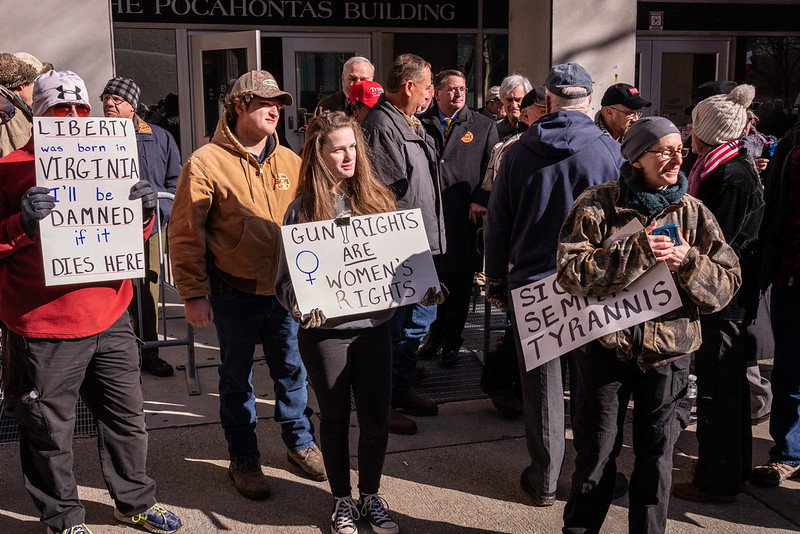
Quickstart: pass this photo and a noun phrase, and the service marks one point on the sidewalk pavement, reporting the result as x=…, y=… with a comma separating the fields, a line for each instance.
x=458, y=474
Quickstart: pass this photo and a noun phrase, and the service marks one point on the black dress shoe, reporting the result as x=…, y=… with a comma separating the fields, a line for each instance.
x=539, y=499
x=157, y=367
x=428, y=350
x=449, y=358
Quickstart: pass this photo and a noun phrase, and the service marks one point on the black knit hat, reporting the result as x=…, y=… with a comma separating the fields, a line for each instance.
x=124, y=87
x=14, y=72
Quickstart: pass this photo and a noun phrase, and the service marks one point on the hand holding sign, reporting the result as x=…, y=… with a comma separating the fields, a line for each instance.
x=36, y=205
x=142, y=189
x=314, y=319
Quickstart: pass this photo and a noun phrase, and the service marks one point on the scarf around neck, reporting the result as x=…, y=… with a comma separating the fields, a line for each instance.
x=649, y=202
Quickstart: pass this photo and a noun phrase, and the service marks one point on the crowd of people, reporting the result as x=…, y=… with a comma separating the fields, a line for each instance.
x=550, y=188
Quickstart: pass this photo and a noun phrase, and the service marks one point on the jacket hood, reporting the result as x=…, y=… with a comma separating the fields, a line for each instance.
x=560, y=134
x=225, y=137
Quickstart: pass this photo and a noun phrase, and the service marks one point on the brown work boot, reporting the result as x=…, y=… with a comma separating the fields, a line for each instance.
x=506, y=402
x=249, y=479
x=400, y=424
x=689, y=492
x=413, y=404
x=310, y=461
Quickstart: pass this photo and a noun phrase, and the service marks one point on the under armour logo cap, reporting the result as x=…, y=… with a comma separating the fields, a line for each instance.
x=58, y=87
x=261, y=83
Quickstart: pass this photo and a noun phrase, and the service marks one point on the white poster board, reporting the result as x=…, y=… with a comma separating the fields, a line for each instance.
x=551, y=322
x=375, y=262
x=94, y=233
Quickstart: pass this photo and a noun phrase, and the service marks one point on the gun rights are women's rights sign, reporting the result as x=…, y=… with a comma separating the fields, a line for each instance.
x=94, y=233
x=366, y=263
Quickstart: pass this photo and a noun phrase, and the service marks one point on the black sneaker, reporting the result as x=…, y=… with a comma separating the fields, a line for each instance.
x=374, y=508
x=345, y=514
x=157, y=367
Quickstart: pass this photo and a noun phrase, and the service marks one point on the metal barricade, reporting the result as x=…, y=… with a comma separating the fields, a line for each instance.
x=165, y=282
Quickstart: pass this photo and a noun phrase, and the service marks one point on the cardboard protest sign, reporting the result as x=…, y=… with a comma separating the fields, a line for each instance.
x=551, y=322
x=94, y=233
x=375, y=262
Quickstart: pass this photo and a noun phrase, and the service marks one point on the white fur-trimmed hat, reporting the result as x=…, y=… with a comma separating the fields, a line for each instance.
x=722, y=118
x=58, y=87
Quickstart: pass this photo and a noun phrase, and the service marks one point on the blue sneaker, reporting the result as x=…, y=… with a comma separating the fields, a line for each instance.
x=77, y=529
x=155, y=519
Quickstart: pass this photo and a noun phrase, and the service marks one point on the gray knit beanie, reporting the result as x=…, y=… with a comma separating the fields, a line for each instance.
x=643, y=134
x=722, y=118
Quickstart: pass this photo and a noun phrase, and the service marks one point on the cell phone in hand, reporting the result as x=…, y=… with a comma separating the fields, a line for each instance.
x=671, y=231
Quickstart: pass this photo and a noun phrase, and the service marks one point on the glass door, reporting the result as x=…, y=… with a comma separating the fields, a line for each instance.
x=312, y=70
x=672, y=69
x=217, y=59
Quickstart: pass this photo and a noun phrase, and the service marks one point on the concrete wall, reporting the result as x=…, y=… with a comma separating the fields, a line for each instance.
x=72, y=36
x=601, y=36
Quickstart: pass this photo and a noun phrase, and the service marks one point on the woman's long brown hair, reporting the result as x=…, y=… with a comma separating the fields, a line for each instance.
x=364, y=192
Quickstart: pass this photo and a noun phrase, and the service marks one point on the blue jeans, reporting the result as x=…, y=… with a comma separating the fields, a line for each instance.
x=242, y=320
x=784, y=425
x=408, y=326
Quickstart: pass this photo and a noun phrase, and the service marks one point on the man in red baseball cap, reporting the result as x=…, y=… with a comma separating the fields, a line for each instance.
x=363, y=95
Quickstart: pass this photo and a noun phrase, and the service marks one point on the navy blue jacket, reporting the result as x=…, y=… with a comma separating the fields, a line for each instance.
x=539, y=179
x=159, y=164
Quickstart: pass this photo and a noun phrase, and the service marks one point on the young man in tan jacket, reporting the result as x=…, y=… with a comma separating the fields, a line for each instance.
x=225, y=242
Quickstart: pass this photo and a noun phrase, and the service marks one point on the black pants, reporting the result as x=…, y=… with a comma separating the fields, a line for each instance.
x=452, y=314
x=724, y=434
x=49, y=374
x=601, y=387
x=337, y=360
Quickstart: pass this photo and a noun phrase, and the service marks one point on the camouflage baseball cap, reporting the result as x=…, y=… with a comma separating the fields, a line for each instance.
x=261, y=83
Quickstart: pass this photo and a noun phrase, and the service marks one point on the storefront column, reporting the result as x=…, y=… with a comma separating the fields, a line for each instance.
x=601, y=36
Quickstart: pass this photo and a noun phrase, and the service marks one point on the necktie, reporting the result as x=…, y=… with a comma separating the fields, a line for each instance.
x=448, y=123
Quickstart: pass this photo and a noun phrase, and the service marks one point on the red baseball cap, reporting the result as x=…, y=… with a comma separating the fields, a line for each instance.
x=366, y=92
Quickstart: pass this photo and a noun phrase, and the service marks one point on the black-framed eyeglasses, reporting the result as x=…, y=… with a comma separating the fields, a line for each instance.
x=669, y=153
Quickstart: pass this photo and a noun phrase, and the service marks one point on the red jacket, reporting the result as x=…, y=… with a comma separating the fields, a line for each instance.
x=28, y=307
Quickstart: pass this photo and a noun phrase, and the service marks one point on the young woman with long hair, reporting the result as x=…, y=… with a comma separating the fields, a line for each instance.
x=337, y=181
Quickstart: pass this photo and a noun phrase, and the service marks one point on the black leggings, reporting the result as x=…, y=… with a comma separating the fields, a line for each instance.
x=335, y=361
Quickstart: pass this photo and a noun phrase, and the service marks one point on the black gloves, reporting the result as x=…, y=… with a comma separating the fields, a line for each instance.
x=142, y=189
x=496, y=292
x=315, y=318
x=37, y=203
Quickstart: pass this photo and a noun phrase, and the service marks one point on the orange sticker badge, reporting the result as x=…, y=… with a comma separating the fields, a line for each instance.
x=144, y=127
x=282, y=182
x=468, y=137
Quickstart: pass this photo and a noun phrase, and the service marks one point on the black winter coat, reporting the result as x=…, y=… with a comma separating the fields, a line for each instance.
x=406, y=162
x=733, y=194
x=462, y=164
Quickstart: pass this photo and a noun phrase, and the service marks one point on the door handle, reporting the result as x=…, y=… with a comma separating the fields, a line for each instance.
x=291, y=122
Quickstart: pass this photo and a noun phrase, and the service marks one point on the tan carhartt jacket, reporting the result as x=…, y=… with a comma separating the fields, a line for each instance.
x=228, y=204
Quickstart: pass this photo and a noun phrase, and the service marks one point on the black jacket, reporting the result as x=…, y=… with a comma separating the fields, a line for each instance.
x=406, y=162
x=733, y=194
x=776, y=196
x=462, y=164
x=334, y=102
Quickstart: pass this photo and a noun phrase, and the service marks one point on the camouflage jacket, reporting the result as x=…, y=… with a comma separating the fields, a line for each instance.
x=707, y=279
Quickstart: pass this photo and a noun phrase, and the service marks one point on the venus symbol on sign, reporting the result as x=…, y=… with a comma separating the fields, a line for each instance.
x=307, y=263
